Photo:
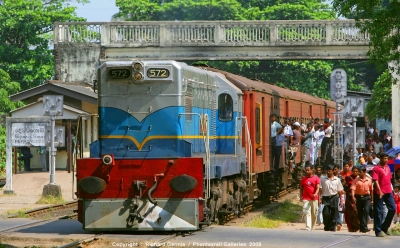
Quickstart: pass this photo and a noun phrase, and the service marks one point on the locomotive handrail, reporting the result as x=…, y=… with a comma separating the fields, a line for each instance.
x=206, y=147
x=74, y=156
x=250, y=148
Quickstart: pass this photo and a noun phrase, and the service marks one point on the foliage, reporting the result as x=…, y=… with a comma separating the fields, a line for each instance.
x=50, y=199
x=7, y=88
x=395, y=231
x=286, y=212
x=19, y=213
x=380, y=105
x=25, y=52
x=380, y=18
x=185, y=10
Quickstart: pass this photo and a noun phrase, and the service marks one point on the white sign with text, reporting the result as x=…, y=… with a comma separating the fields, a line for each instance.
x=28, y=134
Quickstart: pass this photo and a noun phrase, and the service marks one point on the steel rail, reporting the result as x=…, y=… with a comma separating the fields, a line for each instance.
x=53, y=207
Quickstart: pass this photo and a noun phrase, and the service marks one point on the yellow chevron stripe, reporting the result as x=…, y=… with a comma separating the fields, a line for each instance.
x=140, y=146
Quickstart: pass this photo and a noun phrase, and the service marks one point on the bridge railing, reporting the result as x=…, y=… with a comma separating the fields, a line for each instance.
x=212, y=33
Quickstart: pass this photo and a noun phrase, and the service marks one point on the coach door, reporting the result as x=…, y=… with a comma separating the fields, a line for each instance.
x=225, y=124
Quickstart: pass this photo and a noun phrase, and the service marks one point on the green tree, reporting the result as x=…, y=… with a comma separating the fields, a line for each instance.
x=380, y=105
x=380, y=18
x=7, y=88
x=25, y=51
x=182, y=10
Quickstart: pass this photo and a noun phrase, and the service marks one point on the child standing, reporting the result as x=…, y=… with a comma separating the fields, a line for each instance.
x=397, y=203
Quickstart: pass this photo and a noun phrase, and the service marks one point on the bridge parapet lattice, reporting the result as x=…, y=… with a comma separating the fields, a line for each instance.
x=212, y=33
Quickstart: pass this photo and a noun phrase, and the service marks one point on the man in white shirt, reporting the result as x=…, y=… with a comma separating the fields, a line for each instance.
x=319, y=136
x=288, y=132
x=377, y=146
x=331, y=194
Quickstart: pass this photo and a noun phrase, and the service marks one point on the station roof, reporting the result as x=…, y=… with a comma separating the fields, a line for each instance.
x=74, y=90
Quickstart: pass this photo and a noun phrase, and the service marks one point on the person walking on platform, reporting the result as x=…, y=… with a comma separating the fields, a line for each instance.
x=320, y=219
x=381, y=177
x=351, y=214
x=331, y=192
x=361, y=194
x=339, y=214
x=309, y=188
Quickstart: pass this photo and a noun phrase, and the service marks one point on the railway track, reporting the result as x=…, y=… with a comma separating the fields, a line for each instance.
x=95, y=240
x=50, y=209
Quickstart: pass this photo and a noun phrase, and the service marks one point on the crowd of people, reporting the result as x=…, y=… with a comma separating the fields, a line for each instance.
x=358, y=193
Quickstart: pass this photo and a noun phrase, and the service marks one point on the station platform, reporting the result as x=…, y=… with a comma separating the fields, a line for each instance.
x=28, y=189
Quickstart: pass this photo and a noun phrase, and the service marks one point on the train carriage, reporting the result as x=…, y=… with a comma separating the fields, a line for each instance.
x=180, y=146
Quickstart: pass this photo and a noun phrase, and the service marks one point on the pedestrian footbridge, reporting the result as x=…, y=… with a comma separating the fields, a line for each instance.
x=79, y=47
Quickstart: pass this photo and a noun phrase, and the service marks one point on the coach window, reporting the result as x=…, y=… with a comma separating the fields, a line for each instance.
x=258, y=126
x=225, y=107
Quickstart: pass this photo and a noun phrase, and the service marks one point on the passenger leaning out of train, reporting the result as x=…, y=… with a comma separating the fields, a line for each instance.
x=294, y=144
x=319, y=136
x=309, y=153
x=326, y=155
x=274, y=127
x=280, y=137
x=288, y=132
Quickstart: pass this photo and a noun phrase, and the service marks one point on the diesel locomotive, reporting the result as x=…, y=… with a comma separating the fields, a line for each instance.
x=181, y=146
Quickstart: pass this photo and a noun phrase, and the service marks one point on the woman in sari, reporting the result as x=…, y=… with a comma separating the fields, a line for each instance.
x=350, y=214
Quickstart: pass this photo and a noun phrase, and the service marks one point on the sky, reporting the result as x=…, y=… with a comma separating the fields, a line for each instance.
x=96, y=10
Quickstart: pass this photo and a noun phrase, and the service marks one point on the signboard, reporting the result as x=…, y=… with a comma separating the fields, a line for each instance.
x=53, y=105
x=59, y=136
x=348, y=137
x=28, y=134
x=354, y=107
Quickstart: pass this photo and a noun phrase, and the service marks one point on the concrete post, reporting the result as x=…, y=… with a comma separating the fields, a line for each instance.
x=393, y=67
x=8, y=189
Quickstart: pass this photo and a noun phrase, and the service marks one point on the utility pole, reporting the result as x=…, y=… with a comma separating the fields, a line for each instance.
x=53, y=106
x=338, y=89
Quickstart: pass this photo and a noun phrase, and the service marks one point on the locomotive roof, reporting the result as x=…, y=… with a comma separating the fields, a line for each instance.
x=256, y=85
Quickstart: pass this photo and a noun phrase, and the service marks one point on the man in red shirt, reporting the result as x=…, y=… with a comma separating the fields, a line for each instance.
x=382, y=193
x=309, y=188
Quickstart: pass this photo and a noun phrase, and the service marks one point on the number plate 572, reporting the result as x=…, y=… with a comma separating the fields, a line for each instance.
x=157, y=73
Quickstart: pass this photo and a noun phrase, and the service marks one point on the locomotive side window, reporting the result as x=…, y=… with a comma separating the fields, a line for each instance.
x=225, y=107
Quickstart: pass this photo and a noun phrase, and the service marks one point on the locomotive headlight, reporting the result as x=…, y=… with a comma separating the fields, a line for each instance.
x=137, y=66
x=108, y=160
x=137, y=76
